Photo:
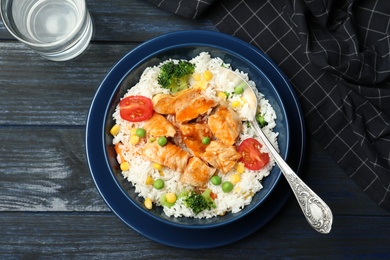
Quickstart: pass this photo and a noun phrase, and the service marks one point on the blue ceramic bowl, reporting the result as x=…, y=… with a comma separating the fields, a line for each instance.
x=119, y=193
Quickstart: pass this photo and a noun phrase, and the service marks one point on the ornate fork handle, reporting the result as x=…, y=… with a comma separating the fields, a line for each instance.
x=316, y=211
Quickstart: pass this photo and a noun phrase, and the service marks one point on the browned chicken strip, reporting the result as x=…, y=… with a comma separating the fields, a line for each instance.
x=169, y=155
x=186, y=105
x=192, y=135
x=164, y=104
x=197, y=173
x=225, y=125
x=158, y=125
x=189, y=109
x=221, y=156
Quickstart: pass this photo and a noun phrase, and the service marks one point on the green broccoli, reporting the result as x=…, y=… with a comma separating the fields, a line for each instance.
x=175, y=76
x=199, y=202
x=261, y=120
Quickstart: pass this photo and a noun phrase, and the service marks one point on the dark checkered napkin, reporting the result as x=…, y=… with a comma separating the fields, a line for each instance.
x=336, y=54
x=187, y=8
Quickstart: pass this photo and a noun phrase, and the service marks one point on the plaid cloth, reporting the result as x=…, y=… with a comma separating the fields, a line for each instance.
x=336, y=54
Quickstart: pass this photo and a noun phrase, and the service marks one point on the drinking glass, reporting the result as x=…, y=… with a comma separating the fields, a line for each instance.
x=58, y=30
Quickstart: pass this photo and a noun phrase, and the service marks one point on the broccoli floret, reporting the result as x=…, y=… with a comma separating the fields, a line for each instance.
x=175, y=76
x=261, y=120
x=199, y=202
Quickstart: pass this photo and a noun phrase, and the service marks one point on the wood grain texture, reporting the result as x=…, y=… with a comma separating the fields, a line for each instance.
x=45, y=169
x=49, y=205
x=103, y=236
x=35, y=91
x=131, y=21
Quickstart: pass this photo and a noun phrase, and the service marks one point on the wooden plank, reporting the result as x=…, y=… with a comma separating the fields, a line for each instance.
x=132, y=21
x=59, y=93
x=138, y=20
x=44, y=169
x=103, y=236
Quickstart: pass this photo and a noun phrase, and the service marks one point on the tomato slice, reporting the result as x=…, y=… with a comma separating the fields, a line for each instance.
x=136, y=108
x=252, y=157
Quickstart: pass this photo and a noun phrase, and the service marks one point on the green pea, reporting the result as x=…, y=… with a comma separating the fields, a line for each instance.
x=238, y=90
x=162, y=140
x=140, y=132
x=227, y=186
x=216, y=180
x=206, y=140
x=158, y=184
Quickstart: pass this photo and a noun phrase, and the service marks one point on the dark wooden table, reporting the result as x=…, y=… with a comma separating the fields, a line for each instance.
x=49, y=206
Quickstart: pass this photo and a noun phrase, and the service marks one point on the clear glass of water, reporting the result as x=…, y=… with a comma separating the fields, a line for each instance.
x=58, y=30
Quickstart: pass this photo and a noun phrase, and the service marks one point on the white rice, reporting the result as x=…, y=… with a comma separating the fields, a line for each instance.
x=250, y=182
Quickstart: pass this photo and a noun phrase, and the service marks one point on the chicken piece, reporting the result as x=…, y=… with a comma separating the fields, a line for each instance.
x=186, y=105
x=197, y=173
x=221, y=156
x=190, y=108
x=164, y=104
x=225, y=124
x=192, y=135
x=168, y=155
x=158, y=125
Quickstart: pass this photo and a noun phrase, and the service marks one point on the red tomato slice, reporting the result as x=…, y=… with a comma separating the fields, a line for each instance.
x=136, y=108
x=252, y=157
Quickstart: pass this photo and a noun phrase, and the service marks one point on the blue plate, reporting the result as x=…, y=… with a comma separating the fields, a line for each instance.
x=273, y=85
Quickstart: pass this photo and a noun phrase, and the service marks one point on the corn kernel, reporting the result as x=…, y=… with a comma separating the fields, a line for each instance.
x=240, y=168
x=221, y=95
x=149, y=180
x=235, y=178
x=207, y=75
x=157, y=166
x=170, y=197
x=148, y=203
x=204, y=85
x=161, y=173
x=236, y=103
x=125, y=166
x=196, y=76
x=115, y=130
x=133, y=131
x=134, y=139
x=243, y=100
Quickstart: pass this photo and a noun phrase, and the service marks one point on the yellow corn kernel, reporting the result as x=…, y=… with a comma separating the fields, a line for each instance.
x=161, y=173
x=115, y=130
x=196, y=76
x=157, y=166
x=170, y=197
x=134, y=139
x=125, y=166
x=149, y=180
x=148, y=203
x=202, y=84
x=240, y=168
x=243, y=100
x=236, y=103
x=235, y=178
x=133, y=131
x=221, y=95
x=207, y=75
